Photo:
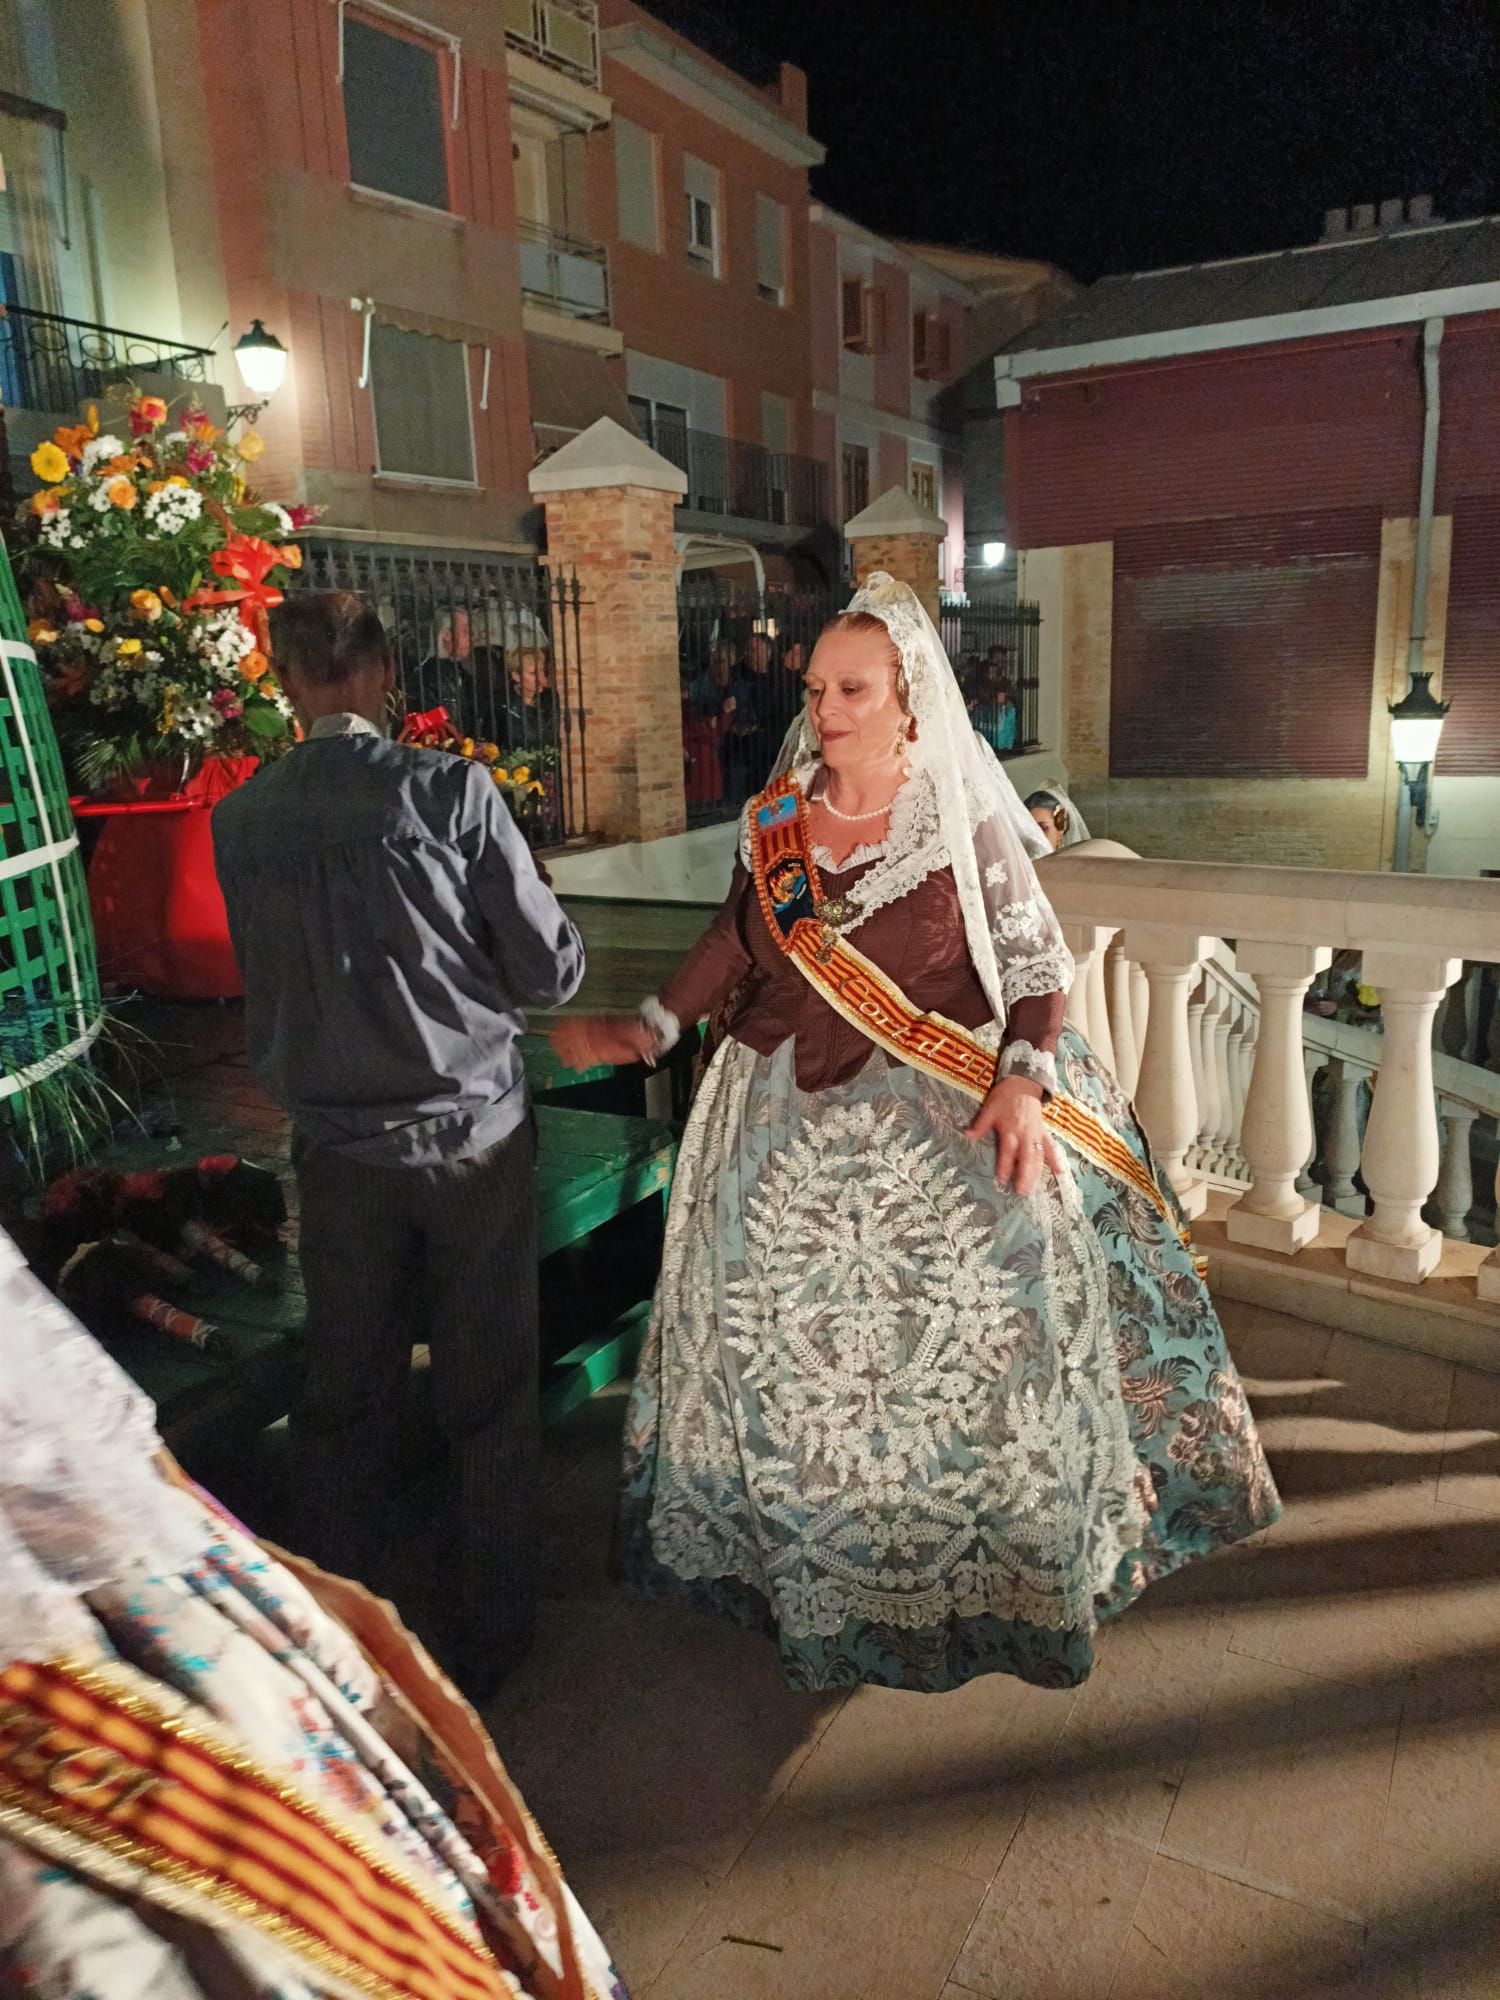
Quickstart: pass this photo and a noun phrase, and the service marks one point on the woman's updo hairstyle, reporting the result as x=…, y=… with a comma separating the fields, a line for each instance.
x=1062, y=819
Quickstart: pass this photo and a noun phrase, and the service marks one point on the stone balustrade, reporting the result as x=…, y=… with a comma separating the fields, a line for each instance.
x=1214, y=1044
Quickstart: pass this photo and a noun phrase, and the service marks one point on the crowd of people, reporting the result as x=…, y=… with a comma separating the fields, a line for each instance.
x=739, y=695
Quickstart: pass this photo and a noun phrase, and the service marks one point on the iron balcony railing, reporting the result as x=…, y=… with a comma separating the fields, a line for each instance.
x=493, y=641
x=995, y=650
x=729, y=477
x=53, y=364
x=564, y=272
x=564, y=34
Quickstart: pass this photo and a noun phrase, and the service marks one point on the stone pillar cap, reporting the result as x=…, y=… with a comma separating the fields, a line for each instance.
x=895, y=513
x=606, y=454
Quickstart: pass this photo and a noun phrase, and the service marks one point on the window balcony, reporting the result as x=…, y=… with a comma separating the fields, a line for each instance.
x=739, y=481
x=50, y=365
x=563, y=34
x=564, y=273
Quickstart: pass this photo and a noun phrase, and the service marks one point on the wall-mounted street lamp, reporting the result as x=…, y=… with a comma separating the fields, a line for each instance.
x=261, y=360
x=993, y=554
x=1416, y=725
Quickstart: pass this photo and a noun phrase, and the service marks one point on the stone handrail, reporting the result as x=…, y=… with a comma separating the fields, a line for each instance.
x=1219, y=1055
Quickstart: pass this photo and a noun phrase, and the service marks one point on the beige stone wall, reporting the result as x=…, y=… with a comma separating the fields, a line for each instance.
x=619, y=541
x=1299, y=822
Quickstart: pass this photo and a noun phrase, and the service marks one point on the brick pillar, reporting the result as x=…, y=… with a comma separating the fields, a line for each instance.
x=897, y=535
x=609, y=501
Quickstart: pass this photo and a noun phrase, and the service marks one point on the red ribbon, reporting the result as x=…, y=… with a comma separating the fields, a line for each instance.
x=245, y=561
x=430, y=729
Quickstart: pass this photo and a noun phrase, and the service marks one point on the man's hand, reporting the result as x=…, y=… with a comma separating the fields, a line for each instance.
x=1023, y=1145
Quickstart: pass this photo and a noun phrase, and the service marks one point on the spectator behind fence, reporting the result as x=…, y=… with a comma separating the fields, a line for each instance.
x=391, y=926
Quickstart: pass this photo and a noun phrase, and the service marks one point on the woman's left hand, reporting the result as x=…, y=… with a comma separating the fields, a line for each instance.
x=1023, y=1145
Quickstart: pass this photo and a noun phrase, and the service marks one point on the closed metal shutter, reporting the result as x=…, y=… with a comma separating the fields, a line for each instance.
x=1470, y=745
x=1245, y=648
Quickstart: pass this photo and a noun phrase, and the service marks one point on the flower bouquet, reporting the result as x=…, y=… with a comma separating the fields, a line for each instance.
x=432, y=729
x=151, y=572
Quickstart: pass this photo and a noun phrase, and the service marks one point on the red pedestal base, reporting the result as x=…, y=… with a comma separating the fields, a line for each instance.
x=159, y=919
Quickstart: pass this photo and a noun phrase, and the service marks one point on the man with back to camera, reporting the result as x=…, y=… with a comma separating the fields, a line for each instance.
x=390, y=925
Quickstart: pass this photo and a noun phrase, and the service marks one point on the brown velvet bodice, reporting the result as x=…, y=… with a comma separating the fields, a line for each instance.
x=737, y=974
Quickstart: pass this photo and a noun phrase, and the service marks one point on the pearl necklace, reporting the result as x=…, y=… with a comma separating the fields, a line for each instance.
x=855, y=819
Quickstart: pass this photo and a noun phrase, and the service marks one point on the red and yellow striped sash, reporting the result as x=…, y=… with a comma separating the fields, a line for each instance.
x=792, y=902
x=95, y=1772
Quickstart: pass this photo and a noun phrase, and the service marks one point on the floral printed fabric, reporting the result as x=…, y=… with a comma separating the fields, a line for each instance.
x=918, y=1428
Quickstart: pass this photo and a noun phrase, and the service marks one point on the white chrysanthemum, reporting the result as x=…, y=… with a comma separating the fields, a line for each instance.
x=100, y=448
x=99, y=500
x=173, y=508
x=282, y=517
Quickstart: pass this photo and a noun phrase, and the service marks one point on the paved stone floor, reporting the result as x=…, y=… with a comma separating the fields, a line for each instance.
x=1282, y=1780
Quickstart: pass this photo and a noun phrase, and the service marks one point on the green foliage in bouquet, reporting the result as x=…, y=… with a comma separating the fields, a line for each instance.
x=151, y=572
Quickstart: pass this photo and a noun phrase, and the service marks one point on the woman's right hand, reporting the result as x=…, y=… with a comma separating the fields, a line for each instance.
x=587, y=1040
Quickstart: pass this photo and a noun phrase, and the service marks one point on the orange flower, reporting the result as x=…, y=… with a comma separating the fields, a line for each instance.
x=290, y=557
x=254, y=665
x=167, y=598
x=197, y=425
x=121, y=494
x=40, y=633
x=150, y=410
x=94, y=625
x=251, y=447
x=146, y=605
x=156, y=485
x=46, y=502
x=126, y=462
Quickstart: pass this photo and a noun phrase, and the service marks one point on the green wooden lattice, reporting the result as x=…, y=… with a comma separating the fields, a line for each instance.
x=50, y=1006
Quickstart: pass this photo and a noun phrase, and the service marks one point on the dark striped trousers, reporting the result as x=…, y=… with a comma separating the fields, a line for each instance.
x=392, y=1256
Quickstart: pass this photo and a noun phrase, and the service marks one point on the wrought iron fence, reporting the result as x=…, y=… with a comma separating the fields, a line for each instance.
x=495, y=643
x=994, y=648
x=52, y=364
x=742, y=654
x=730, y=477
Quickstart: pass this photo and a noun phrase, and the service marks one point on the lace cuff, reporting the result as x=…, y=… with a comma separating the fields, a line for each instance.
x=1022, y=1059
x=663, y=1024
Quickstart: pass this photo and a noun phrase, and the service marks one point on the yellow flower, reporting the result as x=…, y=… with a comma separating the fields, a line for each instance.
x=129, y=649
x=1367, y=996
x=490, y=752
x=501, y=777
x=121, y=494
x=466, y=747
x=40, y=633
x=49, y=464
x=521, y=773
x=289, y=556
x=146, y=604
x=47, y=501
x=251, y=447
x=178, y=480
x=94, y=625
x=536, y=786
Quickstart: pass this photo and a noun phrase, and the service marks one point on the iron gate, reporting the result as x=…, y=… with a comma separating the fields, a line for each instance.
x=994, y=648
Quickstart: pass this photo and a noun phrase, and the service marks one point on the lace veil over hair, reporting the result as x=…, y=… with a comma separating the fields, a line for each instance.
x=1078, y=830
x=957, y=809
x=81, y=1501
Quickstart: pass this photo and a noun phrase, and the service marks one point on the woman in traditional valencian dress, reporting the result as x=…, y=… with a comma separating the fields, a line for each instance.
x=932, y=1385
x=225, y=1776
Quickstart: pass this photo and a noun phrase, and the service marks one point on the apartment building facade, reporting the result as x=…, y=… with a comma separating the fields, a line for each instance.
x=888, y=344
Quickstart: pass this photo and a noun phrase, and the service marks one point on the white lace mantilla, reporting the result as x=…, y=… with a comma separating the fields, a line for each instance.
x=887, y=1390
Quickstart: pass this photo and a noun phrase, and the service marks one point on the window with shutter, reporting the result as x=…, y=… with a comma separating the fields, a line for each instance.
x=423, y=425
x=856, y=315
x=924, y=485
x=1470, y=743
x=701, y=186
x=637, y=196
x=919, y=324
x=394, y=115
x=1245, y=648
x=770, y=250
x=856, y=480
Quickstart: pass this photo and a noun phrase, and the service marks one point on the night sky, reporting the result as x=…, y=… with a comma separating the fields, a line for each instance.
x=1117, y=135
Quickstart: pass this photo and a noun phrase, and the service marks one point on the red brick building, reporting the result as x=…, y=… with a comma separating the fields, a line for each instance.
x=1214, y=476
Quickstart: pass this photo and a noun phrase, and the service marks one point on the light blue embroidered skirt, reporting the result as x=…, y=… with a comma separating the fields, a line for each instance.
x=917, y=1427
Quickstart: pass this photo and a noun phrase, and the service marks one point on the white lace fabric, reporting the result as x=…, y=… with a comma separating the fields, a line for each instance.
x=81, y=1501
x=1023, y=1058
x=957, y=809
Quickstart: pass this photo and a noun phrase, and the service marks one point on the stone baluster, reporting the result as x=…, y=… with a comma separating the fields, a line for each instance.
x=1455, y=1186
x=1121, y=1018
x=1100, y=1032
x=1140, y=1011
x=1247, y=1069
x=1169, y=961
x=1086, y=942
x=1208, y=1093
x=1401, y=1156
x=1223, y=1137
x=1312, y=1061
x=1341, y=1145
x=1489, y=1270
x=1277, y=1129
x=1239, y=1032
x=1196, y=1006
